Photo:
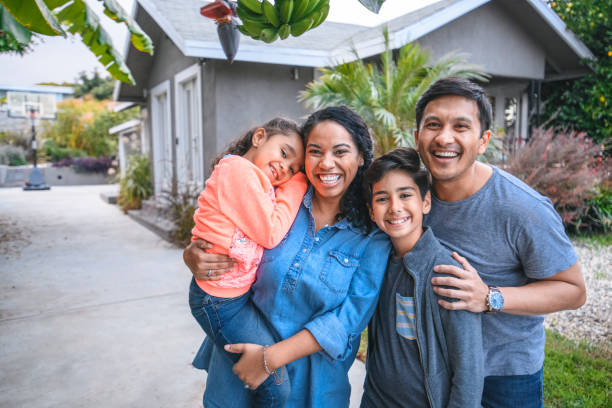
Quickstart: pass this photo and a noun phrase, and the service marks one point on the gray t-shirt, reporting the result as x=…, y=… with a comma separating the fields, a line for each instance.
x=512, y=235
x=394, y=372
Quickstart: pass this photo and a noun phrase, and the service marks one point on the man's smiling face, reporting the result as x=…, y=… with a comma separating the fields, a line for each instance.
x=449, y=137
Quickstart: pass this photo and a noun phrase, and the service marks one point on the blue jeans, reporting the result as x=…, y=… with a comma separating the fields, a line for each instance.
x=236, y=320
x=509, y=391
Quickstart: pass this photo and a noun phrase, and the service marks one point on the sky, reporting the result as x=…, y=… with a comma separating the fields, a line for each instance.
x=58, y=59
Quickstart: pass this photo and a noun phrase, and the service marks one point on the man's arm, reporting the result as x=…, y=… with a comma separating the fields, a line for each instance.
x=562, y=291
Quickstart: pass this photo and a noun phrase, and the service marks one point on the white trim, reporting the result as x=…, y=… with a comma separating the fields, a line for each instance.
x=185, y=150
x=163, y=166
x=561, y=29
x=124, y=126
x=50, y=89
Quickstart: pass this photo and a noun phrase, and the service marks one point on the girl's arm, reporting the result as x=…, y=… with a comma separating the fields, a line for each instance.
x=243, y=193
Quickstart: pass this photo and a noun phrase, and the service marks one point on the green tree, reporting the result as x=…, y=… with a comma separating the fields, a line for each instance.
x=385, y=94
x=585, y=104
x=20, y=19
x=100, y=88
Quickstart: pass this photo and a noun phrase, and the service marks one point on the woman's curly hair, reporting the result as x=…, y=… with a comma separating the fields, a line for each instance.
x=272, y=127
x=352, y=204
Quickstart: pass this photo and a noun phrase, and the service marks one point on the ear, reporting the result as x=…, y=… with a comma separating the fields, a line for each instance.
x=484, y=142
x=259, y=136
x=360, y=160
x=416, y=137
x=427, y=202
x=371, y=212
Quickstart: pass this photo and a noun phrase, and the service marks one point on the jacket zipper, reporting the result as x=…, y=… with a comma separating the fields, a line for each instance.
x=416, y=324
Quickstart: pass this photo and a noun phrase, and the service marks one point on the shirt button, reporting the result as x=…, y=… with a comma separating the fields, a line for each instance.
x=316, y=238
x=304, y=250
x=296, y=264
x=345, y=260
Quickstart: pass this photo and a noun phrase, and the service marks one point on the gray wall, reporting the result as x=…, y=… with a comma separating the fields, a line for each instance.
x=246, y=95
x=493, y=40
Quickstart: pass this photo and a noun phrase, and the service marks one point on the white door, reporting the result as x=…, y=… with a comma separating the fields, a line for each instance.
x=162, y=137
x=190, y=169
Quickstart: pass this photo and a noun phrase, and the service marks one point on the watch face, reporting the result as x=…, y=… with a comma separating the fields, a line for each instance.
x=497, y=300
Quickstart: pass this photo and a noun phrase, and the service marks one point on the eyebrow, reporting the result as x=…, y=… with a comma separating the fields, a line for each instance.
x=289, y=147
x=333, y=147
x=457, y=119
x=380, y=192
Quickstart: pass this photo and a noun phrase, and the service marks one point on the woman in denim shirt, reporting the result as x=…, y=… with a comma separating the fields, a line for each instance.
x=318, y=288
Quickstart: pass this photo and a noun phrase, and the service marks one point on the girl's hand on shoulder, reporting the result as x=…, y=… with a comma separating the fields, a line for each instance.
x=203, y=265
x=250, y=368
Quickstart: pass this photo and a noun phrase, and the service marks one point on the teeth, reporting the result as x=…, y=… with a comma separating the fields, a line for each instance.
x=329, y=179
x=401, y=220
x=446, y=154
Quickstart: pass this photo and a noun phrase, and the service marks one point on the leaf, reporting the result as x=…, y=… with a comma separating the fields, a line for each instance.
x=34, y=15
x=372, y=5
x=8, y=24
x=80, y=19
x=139, y=38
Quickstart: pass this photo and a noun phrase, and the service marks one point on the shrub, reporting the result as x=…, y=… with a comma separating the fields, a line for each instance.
x=562, y=166
x=136, y=185
x=598, y=217
x=181, y=206
x=86, y=164
x=59, y=154
x=14, y=139
x=12, y=155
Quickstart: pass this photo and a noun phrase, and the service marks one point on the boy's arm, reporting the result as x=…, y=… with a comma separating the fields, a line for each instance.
x=463, y=332
x=244, y=200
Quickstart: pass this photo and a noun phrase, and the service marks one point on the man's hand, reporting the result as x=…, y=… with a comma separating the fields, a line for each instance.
x=250, y=368
x=203, y=265
x=470, y=290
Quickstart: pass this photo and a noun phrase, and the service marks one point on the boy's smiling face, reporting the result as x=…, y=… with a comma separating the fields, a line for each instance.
x=398, y=208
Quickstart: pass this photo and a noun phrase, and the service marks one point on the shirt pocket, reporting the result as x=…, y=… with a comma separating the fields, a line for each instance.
x=338, y=271
x=404, y=316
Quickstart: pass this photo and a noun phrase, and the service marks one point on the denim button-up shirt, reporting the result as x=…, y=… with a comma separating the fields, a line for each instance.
x=328, y=283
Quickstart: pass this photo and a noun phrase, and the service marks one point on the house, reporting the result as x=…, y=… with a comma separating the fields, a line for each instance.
x=195, y=102
x=13, y=114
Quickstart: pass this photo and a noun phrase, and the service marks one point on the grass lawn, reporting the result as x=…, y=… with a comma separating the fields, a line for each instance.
x=575, y=374
x=593, y=239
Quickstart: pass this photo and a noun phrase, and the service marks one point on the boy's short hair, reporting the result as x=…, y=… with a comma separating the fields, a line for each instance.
x=457, y=87
x=403, y=158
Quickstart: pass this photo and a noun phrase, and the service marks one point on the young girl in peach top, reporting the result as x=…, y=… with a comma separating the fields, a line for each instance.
x=249, y=203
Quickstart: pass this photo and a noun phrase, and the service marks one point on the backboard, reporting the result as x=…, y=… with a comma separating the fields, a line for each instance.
x=20, y=104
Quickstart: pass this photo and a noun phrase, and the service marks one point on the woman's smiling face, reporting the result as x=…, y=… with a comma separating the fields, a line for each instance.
x=332, y=159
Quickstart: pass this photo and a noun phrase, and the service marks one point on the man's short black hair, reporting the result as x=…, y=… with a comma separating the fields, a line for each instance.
x=459, y=87
x=403, y=158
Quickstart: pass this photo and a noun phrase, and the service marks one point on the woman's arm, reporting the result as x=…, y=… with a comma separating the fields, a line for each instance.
x=201, y=263
x=251, y=369
x=332, y=332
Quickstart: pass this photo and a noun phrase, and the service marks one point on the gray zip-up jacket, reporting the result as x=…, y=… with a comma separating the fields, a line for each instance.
x=449, y=342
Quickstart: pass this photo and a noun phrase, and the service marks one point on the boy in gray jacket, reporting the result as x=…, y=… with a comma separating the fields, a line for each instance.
x=419, y=354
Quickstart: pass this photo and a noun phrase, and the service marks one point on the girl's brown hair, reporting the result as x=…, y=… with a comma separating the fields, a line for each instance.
x=273, y=127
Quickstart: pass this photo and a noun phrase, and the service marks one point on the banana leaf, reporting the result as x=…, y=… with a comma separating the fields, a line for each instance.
x=34, y=15
x=372, y=5
x=78, y=18
x=8, y=24
x=139, y=39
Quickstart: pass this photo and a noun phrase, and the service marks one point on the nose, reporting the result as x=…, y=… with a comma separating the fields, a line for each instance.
x=445, y=135
x=326, y=162
x=395, y=205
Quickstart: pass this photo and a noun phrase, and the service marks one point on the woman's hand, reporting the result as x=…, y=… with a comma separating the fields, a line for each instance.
x=250, y=368
x=203, y=265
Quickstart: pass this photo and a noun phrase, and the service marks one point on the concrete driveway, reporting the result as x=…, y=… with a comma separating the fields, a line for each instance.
x=93, y=307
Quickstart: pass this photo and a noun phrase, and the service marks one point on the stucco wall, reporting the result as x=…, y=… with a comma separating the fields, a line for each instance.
x=247, y=95
x=494, y=40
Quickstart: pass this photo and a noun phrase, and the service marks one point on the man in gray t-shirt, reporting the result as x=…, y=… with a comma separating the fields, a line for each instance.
x=520, y=264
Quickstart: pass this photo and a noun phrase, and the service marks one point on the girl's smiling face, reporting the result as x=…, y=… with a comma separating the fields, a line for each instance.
x=279, y=156
x=332, y=159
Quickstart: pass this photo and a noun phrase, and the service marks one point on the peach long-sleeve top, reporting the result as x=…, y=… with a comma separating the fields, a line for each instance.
x=240, y=213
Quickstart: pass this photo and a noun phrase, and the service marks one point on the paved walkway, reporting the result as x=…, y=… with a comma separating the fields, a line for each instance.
x=93, y=308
